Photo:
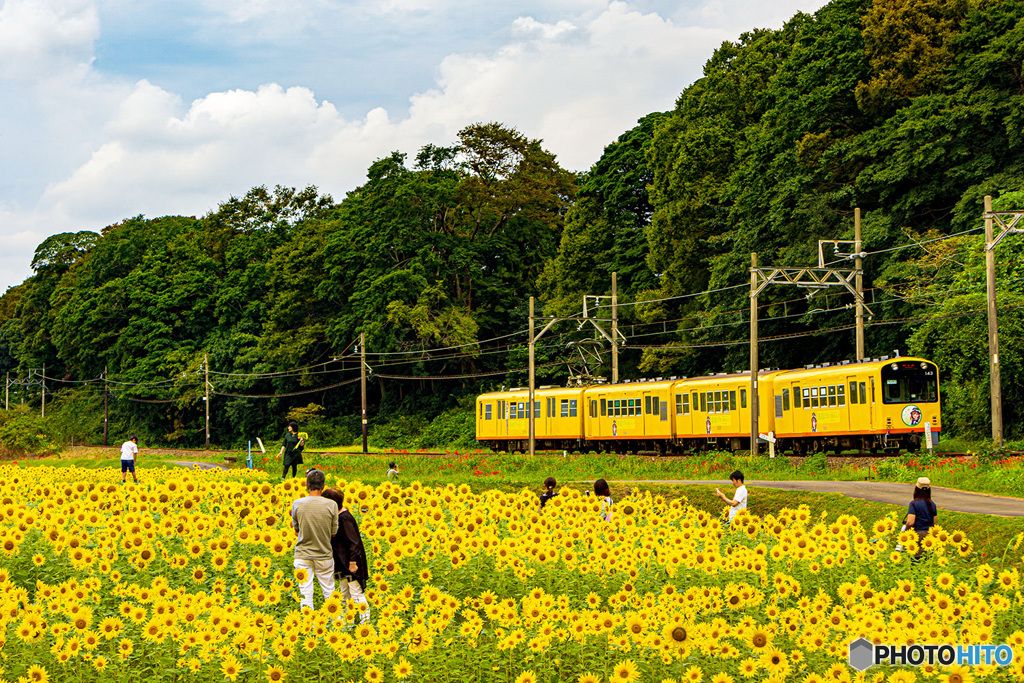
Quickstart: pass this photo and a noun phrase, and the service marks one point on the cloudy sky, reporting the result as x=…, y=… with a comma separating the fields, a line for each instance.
x=115, y=108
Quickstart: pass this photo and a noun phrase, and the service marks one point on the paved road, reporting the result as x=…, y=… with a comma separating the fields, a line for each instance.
x=884, y=492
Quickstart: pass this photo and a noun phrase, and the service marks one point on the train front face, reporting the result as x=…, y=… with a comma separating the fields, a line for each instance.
x=910, y=396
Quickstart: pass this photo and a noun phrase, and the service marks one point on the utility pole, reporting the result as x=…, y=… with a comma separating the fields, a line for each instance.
x=754, y=361
x=42, y=379
x=1008, y=227
x=858, y=266
x=362, y=383
x=105, y=393
x=7, y=392
x=206, y=368
x=533, y=382
x=615, y=328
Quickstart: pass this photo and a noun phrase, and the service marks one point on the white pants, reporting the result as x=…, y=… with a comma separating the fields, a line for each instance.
x=351, y=590
x=323, y=570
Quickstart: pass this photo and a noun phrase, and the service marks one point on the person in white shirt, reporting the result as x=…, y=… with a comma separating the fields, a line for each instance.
x=129, y=453
x=739, y=501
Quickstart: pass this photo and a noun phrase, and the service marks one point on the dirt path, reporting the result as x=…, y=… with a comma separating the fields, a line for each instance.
x=880, y=492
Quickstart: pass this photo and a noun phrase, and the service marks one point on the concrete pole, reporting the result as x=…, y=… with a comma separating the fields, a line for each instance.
x=105, y=393
x=615, y=328
x=7, y=392
x=362, y=384
x=43, y=380
x=993, y=328
x=533, y=382
x=859, y=264
x=753, y=356
x=206, y=368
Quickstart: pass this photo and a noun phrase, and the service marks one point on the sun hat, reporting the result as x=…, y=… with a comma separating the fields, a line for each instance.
x=923, y=482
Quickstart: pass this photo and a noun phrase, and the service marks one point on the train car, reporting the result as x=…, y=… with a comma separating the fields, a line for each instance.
x=502, y=420
x=873, y=405
x=629, y=417
x=713, y=412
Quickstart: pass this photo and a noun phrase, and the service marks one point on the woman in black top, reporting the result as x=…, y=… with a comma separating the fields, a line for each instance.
x=351, y=569
x=922, y=512
x=291, y=449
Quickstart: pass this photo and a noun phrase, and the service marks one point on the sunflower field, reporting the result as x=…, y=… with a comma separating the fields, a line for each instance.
x=188, y=577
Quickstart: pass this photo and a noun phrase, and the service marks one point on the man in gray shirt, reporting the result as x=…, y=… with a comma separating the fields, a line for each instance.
x=315, y=519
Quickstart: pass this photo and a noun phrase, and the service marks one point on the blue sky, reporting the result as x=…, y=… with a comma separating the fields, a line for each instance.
x=114, y=108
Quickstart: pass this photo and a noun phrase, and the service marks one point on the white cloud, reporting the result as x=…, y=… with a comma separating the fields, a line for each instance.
x=37, y=36
x=124, y=149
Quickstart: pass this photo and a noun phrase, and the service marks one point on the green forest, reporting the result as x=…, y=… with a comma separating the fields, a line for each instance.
x=911, y=112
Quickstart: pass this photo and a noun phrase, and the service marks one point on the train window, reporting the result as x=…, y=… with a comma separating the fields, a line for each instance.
x=814, y=397
x=487, y=411
x=647, y=405
x=785, y=399
x=872, y=391
x=832, y=397
x=807, y=398
x=572, y=407
x=796, y=396
x=703, y=402
x=853, y=393
x=718, y=401
x=536, y=409
x=615, y=408
x=841, y=398
x=743, y=398
x=604, y=407
x=565, y=408
x=863, y=393
x=686, y=404
x=635, y=410
x=522, y=409
x=732, y=400
x=679, y=404
x=664, y=410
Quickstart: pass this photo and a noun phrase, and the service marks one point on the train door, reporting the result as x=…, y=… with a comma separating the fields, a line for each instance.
x=857, y=403
x=597, y=425
x=651, y=412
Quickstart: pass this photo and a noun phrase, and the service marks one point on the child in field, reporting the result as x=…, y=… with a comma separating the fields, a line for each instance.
x=739, y=501
x=392, y=472
x=549, y=491
x=601, y=489
x=129, y=454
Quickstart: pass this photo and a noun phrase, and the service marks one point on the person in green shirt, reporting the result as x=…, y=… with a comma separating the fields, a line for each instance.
x=291, y=449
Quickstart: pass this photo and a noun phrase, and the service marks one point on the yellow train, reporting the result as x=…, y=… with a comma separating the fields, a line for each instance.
x=879, y=404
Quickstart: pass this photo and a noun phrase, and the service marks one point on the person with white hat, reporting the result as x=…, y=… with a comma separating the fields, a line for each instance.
x=922, y=512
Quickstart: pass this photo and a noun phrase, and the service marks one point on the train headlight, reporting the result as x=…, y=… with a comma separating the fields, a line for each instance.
x=924, y=366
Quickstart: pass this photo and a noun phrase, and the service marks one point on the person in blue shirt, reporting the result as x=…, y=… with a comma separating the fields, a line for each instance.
x=922, y=512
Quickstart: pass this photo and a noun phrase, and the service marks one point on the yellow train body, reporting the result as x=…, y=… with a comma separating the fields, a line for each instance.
x=872, y=405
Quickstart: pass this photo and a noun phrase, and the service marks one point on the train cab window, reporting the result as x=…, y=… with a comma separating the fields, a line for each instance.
x=664, y=410
x=732, y=400
x=796, y=397
x=487, y=411
x=832, y=397
x=743, y=398
x=565, y=408
x=863, y=393
x=572, y=407
x=604, y=407
x=686, y=404
x=853, y=393
x=841, y=397
x=814, y=397
x=703, y=402
x=785, y=399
